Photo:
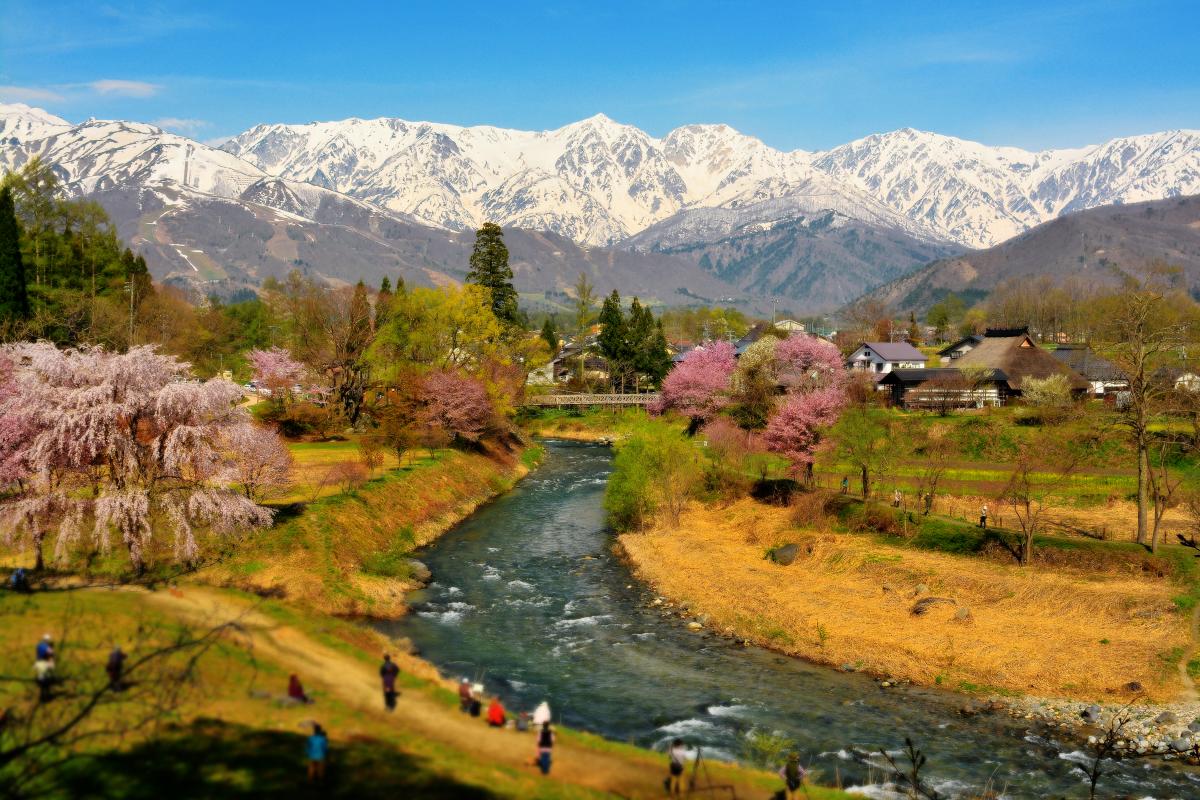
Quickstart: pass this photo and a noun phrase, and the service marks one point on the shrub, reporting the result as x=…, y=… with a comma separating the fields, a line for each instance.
x=348, y=475
x=655, y=470
x=766, y=749
x=1050, y=397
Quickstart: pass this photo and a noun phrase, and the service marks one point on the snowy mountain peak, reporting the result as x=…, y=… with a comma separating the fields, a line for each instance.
x=22, y=123
x=599, y=181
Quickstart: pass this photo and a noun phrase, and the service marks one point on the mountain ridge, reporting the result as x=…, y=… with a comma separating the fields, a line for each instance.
x=1085, y=246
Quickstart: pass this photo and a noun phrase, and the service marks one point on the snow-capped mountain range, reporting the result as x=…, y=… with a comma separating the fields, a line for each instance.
x=600, y=183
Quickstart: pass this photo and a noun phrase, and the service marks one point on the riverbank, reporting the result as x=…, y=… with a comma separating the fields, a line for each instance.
x=912, y=616
x=600, y=426
x=235, y=731
x=350, y=554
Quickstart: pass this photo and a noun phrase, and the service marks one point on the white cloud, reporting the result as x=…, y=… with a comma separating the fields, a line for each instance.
x=29, y=93
x=216, y=141
x=122, y=88
x=180, y=124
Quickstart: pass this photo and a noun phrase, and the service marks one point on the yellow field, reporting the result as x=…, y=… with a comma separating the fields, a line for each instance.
x=848, y=600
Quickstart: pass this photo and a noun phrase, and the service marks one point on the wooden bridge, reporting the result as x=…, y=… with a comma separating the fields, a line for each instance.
x=561, y=400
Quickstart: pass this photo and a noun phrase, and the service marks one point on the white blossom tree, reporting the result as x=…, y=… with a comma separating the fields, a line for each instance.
x=125, y=444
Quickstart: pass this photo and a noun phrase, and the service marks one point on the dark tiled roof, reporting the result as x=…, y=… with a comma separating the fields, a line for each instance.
x=896, y=351
x=916, y=376
x=1084, y=360
x=973, y=339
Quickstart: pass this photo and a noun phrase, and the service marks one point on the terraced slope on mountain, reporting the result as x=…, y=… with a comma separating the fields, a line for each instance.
x=1087, y=245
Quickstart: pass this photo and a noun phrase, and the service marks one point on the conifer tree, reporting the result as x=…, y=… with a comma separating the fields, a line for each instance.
x=550, y=336
x=614, y=339
x=14, y=301
x=490, y=269
x=647, y=344
x=383, y=302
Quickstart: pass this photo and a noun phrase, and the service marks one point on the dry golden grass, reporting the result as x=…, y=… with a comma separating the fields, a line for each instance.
x=1032, y=631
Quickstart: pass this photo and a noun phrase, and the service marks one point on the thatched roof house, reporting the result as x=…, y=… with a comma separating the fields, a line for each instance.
x=1012, y=351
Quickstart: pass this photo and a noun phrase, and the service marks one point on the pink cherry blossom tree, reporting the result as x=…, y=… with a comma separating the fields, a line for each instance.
x=803, y=363
x=275, y=369
x=124, y=443
x=15, y=429
x=698, y=387
x=457, y=404
x=260, y=463
x=796, y=429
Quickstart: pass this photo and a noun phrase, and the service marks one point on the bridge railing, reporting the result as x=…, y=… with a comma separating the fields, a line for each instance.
x=591, y=399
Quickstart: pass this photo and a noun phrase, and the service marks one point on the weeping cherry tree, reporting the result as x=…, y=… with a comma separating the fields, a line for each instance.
x=125, y=444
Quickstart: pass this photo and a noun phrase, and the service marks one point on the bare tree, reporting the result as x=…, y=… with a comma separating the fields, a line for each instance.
x=1042, y=469
x=935, y=450
x=1144, y=326
x=1164, y=487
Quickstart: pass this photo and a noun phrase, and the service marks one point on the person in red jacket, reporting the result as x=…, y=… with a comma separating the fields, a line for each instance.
x=495, y=713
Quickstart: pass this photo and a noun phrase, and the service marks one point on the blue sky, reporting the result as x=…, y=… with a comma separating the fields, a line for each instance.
x=795, y=74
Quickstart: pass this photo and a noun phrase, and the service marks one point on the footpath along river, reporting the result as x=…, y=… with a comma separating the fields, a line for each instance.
x=528, y=594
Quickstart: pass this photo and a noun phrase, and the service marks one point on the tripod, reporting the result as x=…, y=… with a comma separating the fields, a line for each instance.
x=700, y=768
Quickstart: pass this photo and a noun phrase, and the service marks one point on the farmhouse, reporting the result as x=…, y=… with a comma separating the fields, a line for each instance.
x=945, y=388
x=1101, y=373
x=880, y=358
x=1012, y=352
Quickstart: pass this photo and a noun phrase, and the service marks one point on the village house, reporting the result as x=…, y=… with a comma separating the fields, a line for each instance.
x=944, y=388
x=952, y=352
x=880, y=358
x=1101, y=373
x=1013, y=352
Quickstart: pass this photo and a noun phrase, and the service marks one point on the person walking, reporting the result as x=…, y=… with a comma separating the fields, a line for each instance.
x=545, y=744
x=317, y=748
x=464, y=696
x=43, y=676
x=983, y=516
x=115, y=667
x=897, y=499
x=45, y=648
x=845, y=485
x=388, y=671
x=793, y=776
x=676, y=759
x=496, y=717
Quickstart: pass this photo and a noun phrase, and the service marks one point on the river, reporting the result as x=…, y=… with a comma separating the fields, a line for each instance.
x=527, y=594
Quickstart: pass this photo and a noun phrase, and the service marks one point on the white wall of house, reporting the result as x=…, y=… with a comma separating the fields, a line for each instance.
x=867, y=360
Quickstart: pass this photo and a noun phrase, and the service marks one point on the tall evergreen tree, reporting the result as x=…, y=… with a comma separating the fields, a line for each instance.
x=490, y=269
x=550, y=336
x=383, y=302
x=14, y=301
x=656, y=358
x=613, y=340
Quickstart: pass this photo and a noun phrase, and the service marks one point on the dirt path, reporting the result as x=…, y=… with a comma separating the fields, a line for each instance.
x=357, y=685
